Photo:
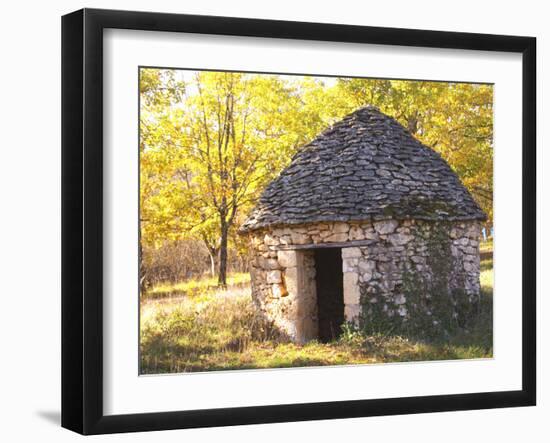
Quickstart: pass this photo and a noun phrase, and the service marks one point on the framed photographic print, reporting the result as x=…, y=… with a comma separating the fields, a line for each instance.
x=269, y=221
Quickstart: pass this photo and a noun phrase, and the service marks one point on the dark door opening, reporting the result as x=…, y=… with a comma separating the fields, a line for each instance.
x=330, y=292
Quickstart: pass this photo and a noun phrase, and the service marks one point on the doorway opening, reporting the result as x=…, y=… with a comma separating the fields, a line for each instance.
x=330, y=292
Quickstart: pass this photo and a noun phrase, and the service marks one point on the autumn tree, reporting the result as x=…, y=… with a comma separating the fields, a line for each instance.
x=159, y=91
x=215, y=151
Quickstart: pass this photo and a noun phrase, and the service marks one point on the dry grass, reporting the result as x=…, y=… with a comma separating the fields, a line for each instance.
x=194, y=287
x=182, y=333
x=196, y=326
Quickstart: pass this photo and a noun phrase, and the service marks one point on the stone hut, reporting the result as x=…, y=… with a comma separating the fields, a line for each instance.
x=355, y=210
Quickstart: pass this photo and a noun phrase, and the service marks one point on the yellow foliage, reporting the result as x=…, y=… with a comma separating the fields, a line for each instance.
x=211, y=141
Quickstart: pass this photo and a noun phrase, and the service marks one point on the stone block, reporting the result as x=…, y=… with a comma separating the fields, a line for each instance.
x=279, y=232
x=287, y=259
x=371, y=235
x=356, y=233
x=271, y=240
x=299, y=238
x=351, y=253
x=367, y=265
x=386, y=267
x=366, y=276
x=339, y=237
x=403, y=230
x=274, y=277
x=386, y=226
x=271, y=264
x=285, y=240
x=340, y=228
x=291, y=281
x=349, y=265
x=352, y=293
x=400, y=239
x=473, y=231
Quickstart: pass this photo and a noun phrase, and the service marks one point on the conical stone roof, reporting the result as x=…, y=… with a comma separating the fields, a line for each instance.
x=365, y=167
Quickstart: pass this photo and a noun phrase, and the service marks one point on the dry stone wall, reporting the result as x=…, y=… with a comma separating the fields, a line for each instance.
x=374, y=257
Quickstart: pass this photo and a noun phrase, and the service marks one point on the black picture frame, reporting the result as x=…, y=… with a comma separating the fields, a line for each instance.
x=82, y=218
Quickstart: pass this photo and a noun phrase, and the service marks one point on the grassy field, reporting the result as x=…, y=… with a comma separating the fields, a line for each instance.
x=197, y=287
x=195, y=326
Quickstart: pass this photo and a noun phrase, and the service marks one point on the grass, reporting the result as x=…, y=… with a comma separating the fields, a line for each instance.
x=193, y=287
x=195, y=326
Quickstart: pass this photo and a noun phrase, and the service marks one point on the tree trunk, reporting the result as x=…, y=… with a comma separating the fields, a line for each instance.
x=222, y=274
x=213, y=256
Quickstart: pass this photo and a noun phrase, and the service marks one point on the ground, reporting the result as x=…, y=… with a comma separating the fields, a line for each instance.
x=196, y=326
